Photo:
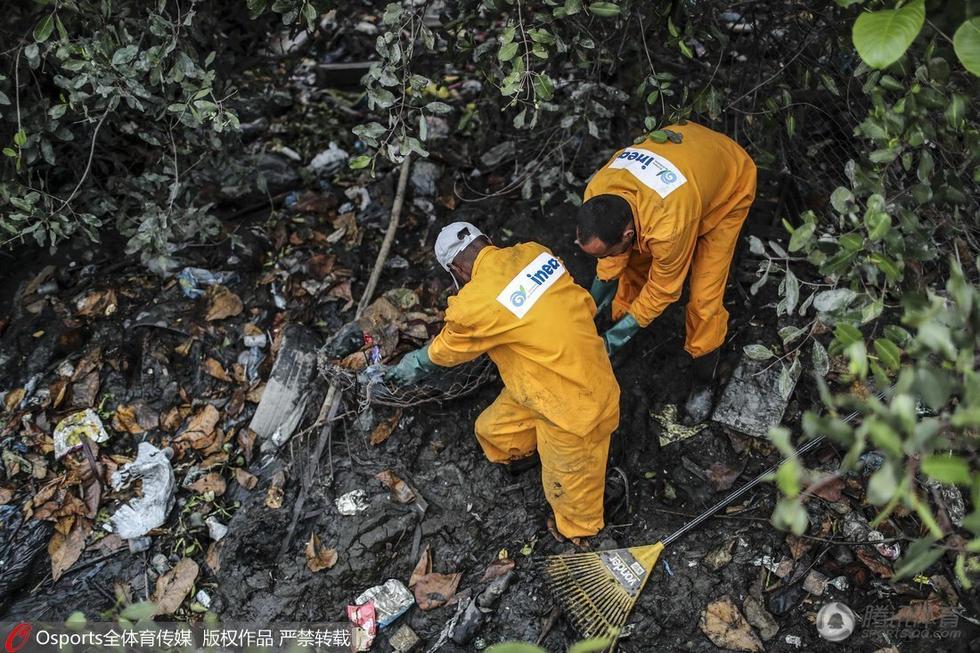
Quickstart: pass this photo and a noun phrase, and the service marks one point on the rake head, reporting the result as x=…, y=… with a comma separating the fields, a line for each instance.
x=597, y=590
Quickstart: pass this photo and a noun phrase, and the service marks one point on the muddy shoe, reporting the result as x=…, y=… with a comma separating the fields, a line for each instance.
x=521, y=465
x=700, y=400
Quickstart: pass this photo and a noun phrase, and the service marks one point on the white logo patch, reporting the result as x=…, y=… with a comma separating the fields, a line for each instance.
x=526, y=288
x=655, y=171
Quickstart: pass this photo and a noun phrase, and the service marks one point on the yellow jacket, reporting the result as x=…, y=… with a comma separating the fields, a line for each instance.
x=523, y=309
x=678, y=192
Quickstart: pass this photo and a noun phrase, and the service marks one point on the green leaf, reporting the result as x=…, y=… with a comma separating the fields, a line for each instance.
x=507, y=51
x=829, y=301
x=841, y=199
x=659, y=136
x=888, y=353
x=790, y=333
x=947, y=469
x=790, y=514
x=124, y=55
x=438, y=107
x=966, y=44
x=801, y=236
x=758, y=352
x=885, y=437
x=918, y=557
x=44, y=29
x=604, y=9
x=20, y=138
x=544, y=88
x=594, y=645
x=515, y=647
x=359, y=162
x=882, y=37
x=821, y=362
x=685, y=49
x=882, y=484
x=139, y=611
x=7, y=151
x=572, y=7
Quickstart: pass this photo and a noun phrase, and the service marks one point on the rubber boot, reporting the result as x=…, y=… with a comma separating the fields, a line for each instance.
x=700, y=400
x=521, y=465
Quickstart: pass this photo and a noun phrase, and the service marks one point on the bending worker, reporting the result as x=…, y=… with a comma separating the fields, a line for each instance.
x=655, y=212
x=520, y=306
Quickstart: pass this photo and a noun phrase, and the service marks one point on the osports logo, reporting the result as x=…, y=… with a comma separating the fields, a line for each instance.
x=18, y=636
x=530, y=284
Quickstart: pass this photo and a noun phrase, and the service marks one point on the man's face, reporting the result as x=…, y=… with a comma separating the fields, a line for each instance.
x=599, y=249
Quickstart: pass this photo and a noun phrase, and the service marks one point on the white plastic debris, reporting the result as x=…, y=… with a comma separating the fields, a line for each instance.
x=794, y=640
x=783, y=568
x=891, y=550
x=352, y=503
x=329, y=160
x=203, y=598
x=360, y=194
x=391, y=600
x=216, y=529
x=69, y=432
x=143, y=514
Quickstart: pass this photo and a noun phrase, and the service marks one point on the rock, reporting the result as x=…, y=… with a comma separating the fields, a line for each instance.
x=785, y=599
x=725, y=626
x=287, y=391
x=438, y=128
x=815, y=583
x=719, y=557
x=758, y=616
x=752, y=401
x=424, y=176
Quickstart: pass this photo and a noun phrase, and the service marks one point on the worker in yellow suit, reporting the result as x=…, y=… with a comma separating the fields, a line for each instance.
x=657, y=213
x=560, y=399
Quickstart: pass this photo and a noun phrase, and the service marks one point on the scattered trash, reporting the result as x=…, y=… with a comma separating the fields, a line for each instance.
x=840, y=582
x=254, y=337
x=752, y=402
x=69, y=433
x=141, y=515
x=671, y=428
x=478, y=609
x=329, y=161
x=725, y=626
x=890, y=550
x=216, y=530
x=366, y=625
x=434, y=590
x=404, y=639
x=286, y=393
x=193, y=280
x=783, y=568
x=390, y=600
x=360, y=194
x=203, y=598
x=352, y=503
x=400, y=491
x=794, y=641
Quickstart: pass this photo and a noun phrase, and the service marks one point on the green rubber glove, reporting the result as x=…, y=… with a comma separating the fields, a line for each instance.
x=413, y=367
x=603, y=292
x=620, y=333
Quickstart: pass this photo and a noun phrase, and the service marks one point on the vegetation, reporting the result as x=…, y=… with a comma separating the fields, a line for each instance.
x=116, y=114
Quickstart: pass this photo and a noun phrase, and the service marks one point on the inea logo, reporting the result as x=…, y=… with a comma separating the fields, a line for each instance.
x=645, y=159
x=517, y=298
x=538, y=277
x=667, y=176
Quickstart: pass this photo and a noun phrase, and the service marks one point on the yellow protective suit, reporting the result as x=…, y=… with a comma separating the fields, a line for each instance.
x=522, y=308
x=689, y=201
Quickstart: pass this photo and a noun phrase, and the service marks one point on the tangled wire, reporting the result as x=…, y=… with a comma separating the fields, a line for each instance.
x=370, y=387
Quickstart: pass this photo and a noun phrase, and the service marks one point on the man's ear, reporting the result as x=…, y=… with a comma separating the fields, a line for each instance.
x=630, y=231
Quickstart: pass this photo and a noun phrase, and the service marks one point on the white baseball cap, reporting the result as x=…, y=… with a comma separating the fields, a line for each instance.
x=453, y=239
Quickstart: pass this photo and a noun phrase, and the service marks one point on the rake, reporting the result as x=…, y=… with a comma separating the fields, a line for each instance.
x=597, y=590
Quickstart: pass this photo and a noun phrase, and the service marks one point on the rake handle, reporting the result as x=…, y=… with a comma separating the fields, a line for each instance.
x=804, y=449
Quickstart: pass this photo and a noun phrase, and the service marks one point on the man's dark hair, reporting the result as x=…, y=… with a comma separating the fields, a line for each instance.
x=603, y=217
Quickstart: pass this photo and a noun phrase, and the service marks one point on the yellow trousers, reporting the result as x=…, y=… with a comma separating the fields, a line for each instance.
x=706, y=319
x=573, y=467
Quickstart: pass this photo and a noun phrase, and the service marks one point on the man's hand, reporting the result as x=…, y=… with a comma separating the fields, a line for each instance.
x=413, y=367
x=620, y=333
x=602, y=293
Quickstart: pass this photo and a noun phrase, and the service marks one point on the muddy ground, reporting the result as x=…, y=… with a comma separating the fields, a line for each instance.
x=475, y=509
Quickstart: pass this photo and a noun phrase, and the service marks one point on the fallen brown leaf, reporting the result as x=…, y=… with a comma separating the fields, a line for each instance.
x=174, y=586
x=498, y=568
x=222, y=303
x=342, y=291
x=320, y=265
x=422, y=567
x=125, y=420
x=212, y=482
x=66, y=549
x=6, y=495
x=213, y=368
x=200, y=433
x=797, y=546
x=255, y=394
x=435, y=590
x=920, y=612
x=873, y=562
x=85, y=391
x=246, y=441
x=246, y=480
x=13, y=398
x=58, y=390
x=383, y=430
x=829, y=489
x=318, y=558
x=213, y=558
x=274, y=495
x=173, y=418
x=725, y=626
x=97, y=303
x=400, y=491
x=721, y=476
